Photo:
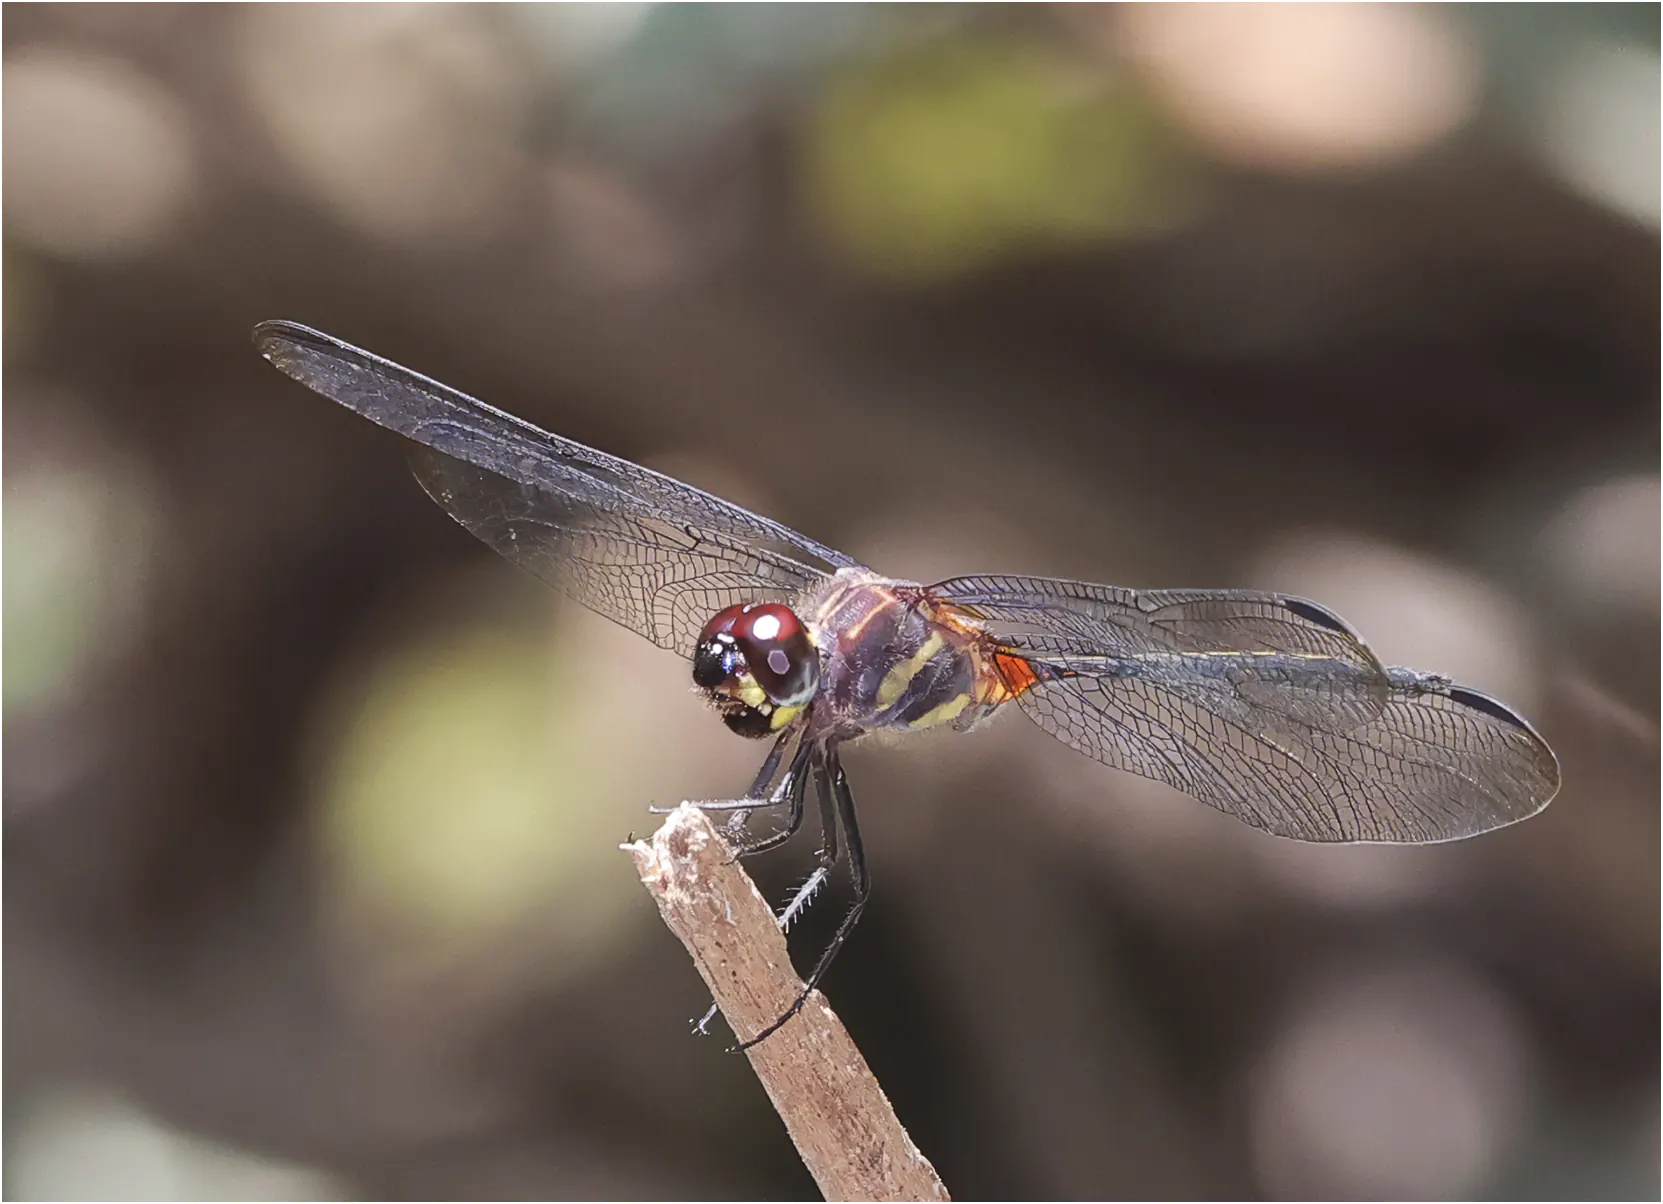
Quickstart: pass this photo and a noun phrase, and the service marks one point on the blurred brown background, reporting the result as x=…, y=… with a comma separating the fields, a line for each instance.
x=312, y=804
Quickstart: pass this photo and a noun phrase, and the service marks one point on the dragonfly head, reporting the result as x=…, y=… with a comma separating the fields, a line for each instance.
x=756, y=663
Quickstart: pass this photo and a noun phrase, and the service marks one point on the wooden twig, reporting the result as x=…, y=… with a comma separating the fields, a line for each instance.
x=837, y=1115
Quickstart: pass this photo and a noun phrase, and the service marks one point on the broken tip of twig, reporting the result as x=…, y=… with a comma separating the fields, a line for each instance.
x=837, y=1115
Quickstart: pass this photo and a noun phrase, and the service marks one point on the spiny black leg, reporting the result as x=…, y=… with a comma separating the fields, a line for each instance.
x=810, y=762
x=803, y=766
x=757, y=798
x=862, y=881
x=785, y=791
x=823, y=787
x=770, y=766
x=827, y=856
x=727, y=804
x=851, y=831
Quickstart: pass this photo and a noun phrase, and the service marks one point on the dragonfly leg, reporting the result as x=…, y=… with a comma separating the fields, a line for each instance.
x=843, y=800
x=757, y=796
x=771, y=764
x=817, y=768
x=827, y=857
x=803, y=766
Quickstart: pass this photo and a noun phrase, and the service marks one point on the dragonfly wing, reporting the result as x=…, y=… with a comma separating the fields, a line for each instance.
x=1161, y=619
x=654, y=577
x=1437, y=762
x=639, y=547
x=1268, y=707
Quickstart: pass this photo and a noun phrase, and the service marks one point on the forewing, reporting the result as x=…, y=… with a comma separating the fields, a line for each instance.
x=654, y=577
x=644, y=549
x=1265, y=706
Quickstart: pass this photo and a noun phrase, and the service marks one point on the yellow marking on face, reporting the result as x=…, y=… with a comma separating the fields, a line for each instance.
x=895, y=682
x=945, y=713
x=783, y=716
x=749, y=693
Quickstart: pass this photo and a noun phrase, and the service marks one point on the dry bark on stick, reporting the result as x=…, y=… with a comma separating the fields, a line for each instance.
x=837, y=1115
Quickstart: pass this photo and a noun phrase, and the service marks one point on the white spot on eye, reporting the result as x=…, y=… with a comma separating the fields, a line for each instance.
x=778, y=661
x=766, y=627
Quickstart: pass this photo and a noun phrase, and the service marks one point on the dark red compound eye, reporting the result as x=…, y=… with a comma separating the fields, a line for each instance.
x=777, y=649
x=718, y=656
x=773, y=644
x=721, y=623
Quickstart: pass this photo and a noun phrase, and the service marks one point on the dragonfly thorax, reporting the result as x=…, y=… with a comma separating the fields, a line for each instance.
x=757, y=664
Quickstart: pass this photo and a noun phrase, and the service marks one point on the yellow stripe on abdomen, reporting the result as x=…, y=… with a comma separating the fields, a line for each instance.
x=945, y=713
x=897, y=680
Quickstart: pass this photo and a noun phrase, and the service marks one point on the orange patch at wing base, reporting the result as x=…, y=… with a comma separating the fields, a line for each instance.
x=1011, y=676
x=1015, y=671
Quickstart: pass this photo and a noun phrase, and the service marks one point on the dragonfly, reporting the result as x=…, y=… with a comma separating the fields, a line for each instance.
x=1266, y=706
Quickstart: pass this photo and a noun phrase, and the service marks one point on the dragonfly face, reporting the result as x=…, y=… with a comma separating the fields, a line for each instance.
x=1265, y=706
x=757, y=665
